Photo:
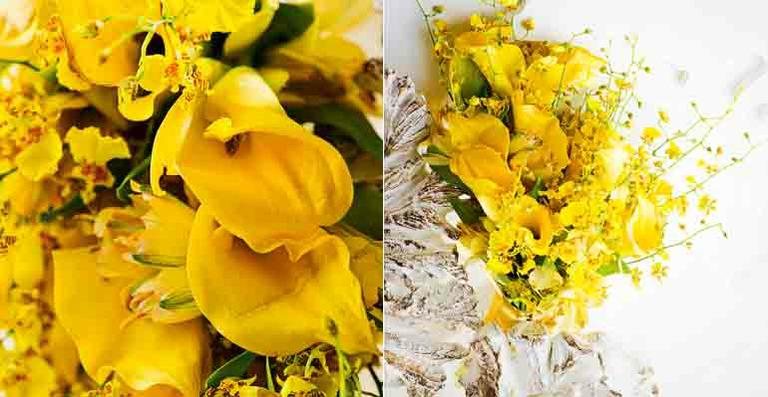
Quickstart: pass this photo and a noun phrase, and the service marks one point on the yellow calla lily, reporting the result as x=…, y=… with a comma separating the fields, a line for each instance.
x=109, y=55
x=272, y=305
x=575, y=68
x=243, y=173
x=540, y=140
x=252, y=29
x=143, y=353
x=481, y=129
x=486, y=173
x=537, y=219
x=644, y=230
x=501, y=65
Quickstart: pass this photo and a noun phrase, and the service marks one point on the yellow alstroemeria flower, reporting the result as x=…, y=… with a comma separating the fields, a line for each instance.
x=644, y=230
x=19, y=21
x=138, y=321
x=540, y=141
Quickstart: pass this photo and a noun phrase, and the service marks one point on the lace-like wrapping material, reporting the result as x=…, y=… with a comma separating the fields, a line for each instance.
x=435, y=341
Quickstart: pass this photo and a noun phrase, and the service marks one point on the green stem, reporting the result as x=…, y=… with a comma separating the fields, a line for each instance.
x=270, y=382
x=123, y=190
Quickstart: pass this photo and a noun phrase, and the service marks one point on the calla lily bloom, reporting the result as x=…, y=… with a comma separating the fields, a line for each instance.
x=236, y=139
x=271, y=304
x=643, y=232
x=233, y=158
x=479, y=149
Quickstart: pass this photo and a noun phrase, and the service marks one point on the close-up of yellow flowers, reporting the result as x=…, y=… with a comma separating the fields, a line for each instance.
x=554, y=192
x=191, y=199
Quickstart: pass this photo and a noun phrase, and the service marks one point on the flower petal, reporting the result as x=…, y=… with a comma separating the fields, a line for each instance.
x=41, y=159
x=255, y=180
x=143, y=353
x=270, y=305
x=107, y=58
x=87, y=145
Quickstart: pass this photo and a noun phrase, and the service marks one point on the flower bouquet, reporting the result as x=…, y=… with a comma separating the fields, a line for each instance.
x=190, y=193
x=538, y=186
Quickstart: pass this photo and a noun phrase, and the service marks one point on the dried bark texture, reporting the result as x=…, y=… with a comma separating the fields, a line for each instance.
x=435, y=342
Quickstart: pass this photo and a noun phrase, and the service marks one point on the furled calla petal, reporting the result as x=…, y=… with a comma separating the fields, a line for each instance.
x=485, y=172
x=107, y=58
x=270, y=305
x=251, y=179
x=182, y=118
x=252, y=29
x=644, y=229
x=142, y=353
x=41, y=159
x=481, y=129
x=501, y=65
x=87, y=145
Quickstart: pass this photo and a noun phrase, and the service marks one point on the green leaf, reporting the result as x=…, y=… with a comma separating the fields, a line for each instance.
x=615, y=266
x=160, y=260
x=124, y=189
x=466, y=81
x=537, y=188
x=367, y=211
x=67, y=209
x=469, y=211
x=290, y=21
x=235, y=367
x=346, y=120
x=449, y=177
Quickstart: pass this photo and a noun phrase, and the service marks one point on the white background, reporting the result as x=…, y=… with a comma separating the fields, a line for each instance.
x=705, y=329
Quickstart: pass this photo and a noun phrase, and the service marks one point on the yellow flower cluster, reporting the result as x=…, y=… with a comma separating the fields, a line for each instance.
x=557, y=193
x=178, y=186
